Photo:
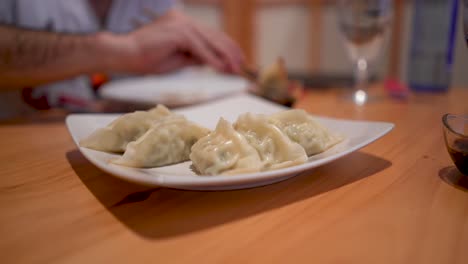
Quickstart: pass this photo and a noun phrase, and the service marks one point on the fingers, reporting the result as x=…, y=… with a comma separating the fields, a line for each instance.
x=210, y=45
x=226, y=49
x=175, y=33
x=199, y=49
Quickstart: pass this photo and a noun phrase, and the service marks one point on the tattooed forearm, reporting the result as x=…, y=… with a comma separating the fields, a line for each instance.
x=29, y=57
x=27, y=48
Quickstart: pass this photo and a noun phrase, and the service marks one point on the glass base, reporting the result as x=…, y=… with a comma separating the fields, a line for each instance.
x=361, y=97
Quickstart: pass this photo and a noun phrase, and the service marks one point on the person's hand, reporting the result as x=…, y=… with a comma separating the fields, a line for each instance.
x=174, y=41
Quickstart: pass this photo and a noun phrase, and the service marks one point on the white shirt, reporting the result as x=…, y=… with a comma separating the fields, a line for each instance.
x=77, y=16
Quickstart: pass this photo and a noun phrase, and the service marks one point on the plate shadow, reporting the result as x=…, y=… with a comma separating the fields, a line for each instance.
x=158, y=213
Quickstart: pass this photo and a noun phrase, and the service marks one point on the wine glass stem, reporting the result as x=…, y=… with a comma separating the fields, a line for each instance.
x=361, y=75
x=360, y=88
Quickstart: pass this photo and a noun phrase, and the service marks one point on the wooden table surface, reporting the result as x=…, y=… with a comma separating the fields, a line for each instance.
x=398, y=200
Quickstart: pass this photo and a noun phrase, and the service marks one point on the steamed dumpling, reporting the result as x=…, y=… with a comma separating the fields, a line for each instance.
x=301, y=128
x=129, y=127
x=224, y=151
x=276, y=150
x=168, y=141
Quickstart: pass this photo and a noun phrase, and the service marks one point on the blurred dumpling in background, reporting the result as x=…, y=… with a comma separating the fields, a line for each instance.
x=168, y=141
x=225, y=151
x=276, y=150
x=129, y=127
x=300, y=127
x=274, y=82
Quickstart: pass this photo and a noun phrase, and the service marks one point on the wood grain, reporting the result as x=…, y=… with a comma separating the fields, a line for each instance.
x=387, y=203
x=239, y=24
x=397, y=37
x=315, y=33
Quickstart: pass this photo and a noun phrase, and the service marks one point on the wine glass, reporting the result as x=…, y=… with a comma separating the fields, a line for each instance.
x=363, y=24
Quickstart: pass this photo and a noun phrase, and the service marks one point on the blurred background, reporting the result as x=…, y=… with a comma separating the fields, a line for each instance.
x=306, y=34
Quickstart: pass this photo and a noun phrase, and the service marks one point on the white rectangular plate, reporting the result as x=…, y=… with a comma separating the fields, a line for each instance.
x=357, y=135
x=187, y=87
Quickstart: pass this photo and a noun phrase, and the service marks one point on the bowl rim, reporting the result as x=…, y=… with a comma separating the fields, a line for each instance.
x=445, y=122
